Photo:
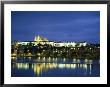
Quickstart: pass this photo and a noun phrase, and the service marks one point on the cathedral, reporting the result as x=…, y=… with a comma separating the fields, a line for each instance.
x=40, y=39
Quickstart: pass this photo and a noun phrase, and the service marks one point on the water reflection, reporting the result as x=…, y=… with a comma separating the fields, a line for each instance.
x=54, y=67
x=44, y=59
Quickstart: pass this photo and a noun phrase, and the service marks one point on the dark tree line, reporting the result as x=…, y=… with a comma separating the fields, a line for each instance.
x=46, y=50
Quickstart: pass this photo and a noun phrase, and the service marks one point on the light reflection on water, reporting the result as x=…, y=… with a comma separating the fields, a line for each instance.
x=39, y=67
x=39, y=59
x=52, y=67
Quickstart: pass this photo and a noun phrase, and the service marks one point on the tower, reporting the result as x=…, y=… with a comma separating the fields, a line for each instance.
x=40, y=39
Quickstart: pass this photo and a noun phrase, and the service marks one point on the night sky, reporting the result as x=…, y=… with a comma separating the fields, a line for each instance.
x=56, y=25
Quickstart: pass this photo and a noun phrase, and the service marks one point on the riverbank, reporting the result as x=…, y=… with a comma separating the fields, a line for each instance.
x=84, y=52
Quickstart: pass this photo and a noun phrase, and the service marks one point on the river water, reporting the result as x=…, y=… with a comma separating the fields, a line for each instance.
x=54, y=67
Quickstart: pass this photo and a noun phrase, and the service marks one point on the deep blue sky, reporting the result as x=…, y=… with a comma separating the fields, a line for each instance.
x=56, y=26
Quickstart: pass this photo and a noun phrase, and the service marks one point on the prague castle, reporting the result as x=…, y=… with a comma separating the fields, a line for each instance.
x=41, y=40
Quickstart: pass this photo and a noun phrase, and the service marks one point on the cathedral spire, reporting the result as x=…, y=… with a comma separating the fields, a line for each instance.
x=40, y=38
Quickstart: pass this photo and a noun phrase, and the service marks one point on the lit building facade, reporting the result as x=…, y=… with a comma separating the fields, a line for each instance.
x=43, y=41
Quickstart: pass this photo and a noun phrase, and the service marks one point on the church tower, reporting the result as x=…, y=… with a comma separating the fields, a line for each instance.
x=40, y=39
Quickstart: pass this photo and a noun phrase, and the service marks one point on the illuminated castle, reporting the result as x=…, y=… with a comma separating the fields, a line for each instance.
x=41, y=40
